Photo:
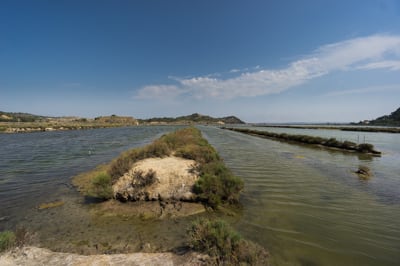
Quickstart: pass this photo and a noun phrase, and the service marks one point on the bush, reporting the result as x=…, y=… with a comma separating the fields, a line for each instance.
x=217, y=184
x=142, y=180
x=332, y=142
x=139, y=181
x=119, y=167
x=102, y=186
x=365, y=147
x=224, y=245
x=156, y=149
x=349, y=145
x=7, y=240
x=201, y=154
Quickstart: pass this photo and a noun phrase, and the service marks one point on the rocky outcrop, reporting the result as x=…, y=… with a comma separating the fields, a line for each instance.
x=34, y=256
x=169, y=178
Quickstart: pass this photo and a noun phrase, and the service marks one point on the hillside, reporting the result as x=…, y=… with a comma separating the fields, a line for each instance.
x=193, y=118
x=24, y=122
x=388, y=120
x=113, y=119
x=20, y=117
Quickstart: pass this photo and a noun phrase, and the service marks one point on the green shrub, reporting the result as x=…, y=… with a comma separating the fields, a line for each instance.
x=365, y=147
x=102, y=186
x=201, y=154
x=119, y=167
x=157, y=149
x=217, y=184
x=224, y=245
x=349, y=145
x=7, y=240
x=332, y=142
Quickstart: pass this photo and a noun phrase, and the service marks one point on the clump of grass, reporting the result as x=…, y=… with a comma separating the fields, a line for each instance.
x=224, y=245
x=101, y=186
x=10, y=239
x=7, y=240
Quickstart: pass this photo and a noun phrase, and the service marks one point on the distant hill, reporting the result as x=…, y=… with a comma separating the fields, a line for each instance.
x=20, y=117
x=387, y=120
x=114, y=119
x=119, y=120
x=193, y=118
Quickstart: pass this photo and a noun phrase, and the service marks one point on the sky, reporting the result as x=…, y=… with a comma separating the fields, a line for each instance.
x=262, y=61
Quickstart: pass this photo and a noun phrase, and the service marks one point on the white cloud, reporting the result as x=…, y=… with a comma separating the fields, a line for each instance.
x=159, y=92
x=372, y=52
x=389, y=64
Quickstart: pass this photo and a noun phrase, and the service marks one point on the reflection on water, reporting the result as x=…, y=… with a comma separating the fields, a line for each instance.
x=305, y=205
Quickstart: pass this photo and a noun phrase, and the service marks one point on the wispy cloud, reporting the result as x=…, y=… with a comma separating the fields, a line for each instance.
x=366, y=53
x=389, y=64
x=159, y=92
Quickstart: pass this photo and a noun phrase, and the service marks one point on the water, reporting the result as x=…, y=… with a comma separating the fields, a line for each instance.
x=304, y=204
x=307, y=206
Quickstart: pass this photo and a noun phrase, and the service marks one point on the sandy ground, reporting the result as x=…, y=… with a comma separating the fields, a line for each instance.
x=174, y=179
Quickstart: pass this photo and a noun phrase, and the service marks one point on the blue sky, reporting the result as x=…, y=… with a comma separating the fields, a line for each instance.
x=263, y=61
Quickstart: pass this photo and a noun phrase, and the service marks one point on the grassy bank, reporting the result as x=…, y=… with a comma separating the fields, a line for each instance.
x=312, y=140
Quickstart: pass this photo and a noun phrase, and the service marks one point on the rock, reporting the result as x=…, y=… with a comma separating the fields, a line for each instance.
x=157, y=179
x=363, y=172
x=34, y=256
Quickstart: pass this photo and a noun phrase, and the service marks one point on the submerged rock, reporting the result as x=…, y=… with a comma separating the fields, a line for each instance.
x=364, y=172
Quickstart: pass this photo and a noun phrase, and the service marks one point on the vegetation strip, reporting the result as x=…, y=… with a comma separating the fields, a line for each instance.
x=330, y=143
x=357, y=129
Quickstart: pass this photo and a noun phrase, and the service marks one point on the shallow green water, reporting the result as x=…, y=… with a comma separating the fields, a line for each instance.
x=308, y=207
x=304, y=204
